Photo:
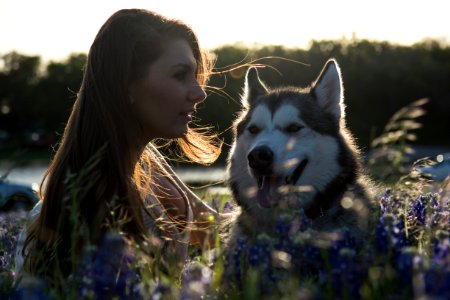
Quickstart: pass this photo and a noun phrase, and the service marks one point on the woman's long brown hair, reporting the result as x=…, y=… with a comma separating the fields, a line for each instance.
x=98, y=166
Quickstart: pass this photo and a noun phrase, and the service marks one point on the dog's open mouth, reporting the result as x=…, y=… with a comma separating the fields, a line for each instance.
x=268, y=193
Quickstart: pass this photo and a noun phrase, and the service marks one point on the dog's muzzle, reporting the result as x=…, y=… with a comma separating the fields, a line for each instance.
x=261, y=162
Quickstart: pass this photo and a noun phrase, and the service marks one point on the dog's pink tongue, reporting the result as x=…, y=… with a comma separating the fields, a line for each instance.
x=267, y=194
x=262, y=196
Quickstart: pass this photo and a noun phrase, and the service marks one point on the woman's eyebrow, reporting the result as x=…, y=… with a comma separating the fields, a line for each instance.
x=189, y=66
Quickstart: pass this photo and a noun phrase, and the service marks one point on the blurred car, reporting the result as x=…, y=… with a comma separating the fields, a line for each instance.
x=16, y=196
x=439, y=170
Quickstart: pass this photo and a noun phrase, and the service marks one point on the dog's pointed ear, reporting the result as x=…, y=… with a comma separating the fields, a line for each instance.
x=328, y=89
x=253, y=88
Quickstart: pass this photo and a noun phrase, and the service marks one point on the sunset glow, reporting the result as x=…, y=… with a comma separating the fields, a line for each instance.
x=54, y=29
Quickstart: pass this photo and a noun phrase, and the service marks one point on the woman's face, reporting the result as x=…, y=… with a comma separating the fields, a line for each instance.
x=165, y=99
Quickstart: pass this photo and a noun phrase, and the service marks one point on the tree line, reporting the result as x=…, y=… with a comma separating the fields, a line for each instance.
x=379, y=78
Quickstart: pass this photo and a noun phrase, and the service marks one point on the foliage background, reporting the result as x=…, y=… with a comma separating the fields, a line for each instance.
x=379, y=78
x=407, y=253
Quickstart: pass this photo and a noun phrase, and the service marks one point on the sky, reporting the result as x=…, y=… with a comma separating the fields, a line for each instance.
x=55, y=28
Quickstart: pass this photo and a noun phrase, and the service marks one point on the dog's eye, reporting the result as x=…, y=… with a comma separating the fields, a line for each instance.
x=293, y=128
x=253, y=129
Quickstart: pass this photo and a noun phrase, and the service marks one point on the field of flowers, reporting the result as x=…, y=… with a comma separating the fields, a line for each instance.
x=406, y=255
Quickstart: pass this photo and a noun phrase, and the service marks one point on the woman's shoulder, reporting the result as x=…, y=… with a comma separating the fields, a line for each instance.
x=19, y=258
x=35, y=211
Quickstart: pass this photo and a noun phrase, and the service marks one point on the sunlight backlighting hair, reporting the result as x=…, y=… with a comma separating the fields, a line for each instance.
x=102, y=125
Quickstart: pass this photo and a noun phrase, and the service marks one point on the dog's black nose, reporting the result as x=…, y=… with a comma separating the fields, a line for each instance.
x=260, y=158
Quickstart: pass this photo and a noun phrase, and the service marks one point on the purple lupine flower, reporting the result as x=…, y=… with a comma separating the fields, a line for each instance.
x=390, y=234
x=404, y=266
x=254, y=255
x=309, y=259
x=234, y=260
x=344, y=243
x=260, y=253
x=398, y=236
x=227, y=207
x=386, y=202
x=437, y=218
x=346, y=276
x=241, y=247
x=440, y=250
x=419, y=210
x=106, y=271
x=196, y=280
x=437, y=282
x=381, y=236
x=282, y=226
x=434, y=201
x=10, y=226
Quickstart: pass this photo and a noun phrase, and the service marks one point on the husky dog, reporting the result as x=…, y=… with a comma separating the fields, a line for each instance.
x=291, y=152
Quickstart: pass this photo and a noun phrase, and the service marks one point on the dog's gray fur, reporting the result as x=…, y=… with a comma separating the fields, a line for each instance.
x=293, y=125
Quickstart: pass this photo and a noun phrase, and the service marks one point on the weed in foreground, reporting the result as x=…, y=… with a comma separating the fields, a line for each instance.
x=406, y=253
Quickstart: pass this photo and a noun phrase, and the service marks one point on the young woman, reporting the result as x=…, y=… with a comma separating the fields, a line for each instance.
x=143, y=81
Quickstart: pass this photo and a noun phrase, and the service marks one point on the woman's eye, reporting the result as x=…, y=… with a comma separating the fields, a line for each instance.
x=180, y=75
x=253, y=129
x=293, y=128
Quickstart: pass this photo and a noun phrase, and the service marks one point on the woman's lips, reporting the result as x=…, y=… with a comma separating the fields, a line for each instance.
x=187, y=115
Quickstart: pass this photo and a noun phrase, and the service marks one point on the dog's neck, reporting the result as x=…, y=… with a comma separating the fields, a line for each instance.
x=321, y=205
x=332, y=195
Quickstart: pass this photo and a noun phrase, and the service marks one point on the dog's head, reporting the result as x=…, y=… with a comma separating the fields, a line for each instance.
x=287, y=140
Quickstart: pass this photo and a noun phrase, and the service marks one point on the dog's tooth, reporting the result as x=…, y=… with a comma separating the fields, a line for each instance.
x=263, y=182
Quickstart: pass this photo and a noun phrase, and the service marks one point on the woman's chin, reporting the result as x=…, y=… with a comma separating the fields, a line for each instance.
x=182, y=132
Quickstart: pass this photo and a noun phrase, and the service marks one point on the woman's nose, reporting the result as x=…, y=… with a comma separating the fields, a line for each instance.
x=198, y=94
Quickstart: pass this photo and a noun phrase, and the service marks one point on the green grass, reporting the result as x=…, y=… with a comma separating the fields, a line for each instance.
x=405, y=255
